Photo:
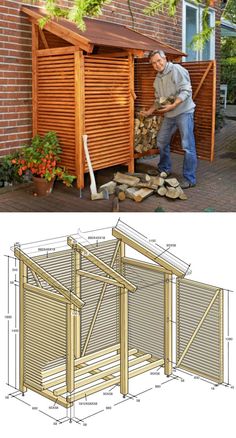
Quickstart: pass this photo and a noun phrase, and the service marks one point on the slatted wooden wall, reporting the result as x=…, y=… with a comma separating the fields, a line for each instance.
x=205, y=354
x=45, y=334
x=106, y=328
x=55, y=95
x=146, y=310
x=108, y=110
x=144, y=75
x=60, y=265
x=203, y=79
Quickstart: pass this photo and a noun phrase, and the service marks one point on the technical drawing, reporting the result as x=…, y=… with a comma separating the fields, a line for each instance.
x=92, y=317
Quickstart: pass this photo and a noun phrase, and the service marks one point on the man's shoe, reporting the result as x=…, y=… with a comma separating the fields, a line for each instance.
x=186, y=185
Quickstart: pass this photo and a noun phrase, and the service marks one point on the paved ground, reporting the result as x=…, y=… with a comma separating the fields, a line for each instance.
x=215, y=191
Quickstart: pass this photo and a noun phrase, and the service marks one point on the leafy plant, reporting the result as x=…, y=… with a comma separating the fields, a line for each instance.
x=41, y=158
x=228, y=68
x=170, y=6
x=8, y=171
x=79, y=10
x=230, y=11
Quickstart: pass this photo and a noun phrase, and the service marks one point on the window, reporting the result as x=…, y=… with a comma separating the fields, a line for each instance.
x=192, y=18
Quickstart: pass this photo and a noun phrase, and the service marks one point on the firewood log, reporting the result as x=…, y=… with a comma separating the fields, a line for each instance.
x=172, y=182
x=162, y=191
x=144, y=177
x=120, y=191
x=172, y=193
x=163, y=101
x=122, y=178
x=129, y=193
x=147, y=185
x=110, y=186
x=139, y=148
x=157, y=180
x=182, y=196
x=145, y=132
x=142, y=194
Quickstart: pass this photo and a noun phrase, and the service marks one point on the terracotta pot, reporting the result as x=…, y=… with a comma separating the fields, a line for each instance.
x=42, y=187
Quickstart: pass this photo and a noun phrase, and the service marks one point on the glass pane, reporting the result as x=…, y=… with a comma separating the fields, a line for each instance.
x=191, y=30
x=206, y=53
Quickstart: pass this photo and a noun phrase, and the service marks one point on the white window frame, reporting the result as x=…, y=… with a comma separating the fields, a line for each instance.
x=199, y=9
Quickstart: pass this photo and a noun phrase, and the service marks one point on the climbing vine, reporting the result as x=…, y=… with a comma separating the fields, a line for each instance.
x=93, y=8
x=170, y=6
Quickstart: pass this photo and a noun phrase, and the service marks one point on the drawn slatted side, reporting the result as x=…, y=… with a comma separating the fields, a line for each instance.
x=45, y=334
x=146, y=310
x=205, y=353
x=106, y=328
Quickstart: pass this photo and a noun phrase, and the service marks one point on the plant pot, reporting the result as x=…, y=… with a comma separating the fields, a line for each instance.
x=42, y=187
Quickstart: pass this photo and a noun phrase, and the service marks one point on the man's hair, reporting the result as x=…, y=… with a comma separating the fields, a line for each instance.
x=155, y=52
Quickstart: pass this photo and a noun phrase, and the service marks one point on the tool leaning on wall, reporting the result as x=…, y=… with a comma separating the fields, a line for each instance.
x=103, y=194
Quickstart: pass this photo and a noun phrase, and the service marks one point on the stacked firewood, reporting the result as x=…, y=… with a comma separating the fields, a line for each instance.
x=138, y=186
x=145, y=132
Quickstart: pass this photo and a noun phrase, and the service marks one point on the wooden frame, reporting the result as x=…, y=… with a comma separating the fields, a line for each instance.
x=61, y=380
x=47, y=305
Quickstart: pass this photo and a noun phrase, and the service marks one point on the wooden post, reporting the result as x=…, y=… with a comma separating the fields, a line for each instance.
x=69, y=347
x=35, y=46
x=213, y=120
x=79, y=117
x=221, y=337
x=124, y=368
x=131, y=113
x=77, y=315
x=23, y=280
x=167, y=324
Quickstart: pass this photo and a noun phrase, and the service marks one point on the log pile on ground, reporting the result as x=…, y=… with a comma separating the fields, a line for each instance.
x=145, y=132
x=139, y=186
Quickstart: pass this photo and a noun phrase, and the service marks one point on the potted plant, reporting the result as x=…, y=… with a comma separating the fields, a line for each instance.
x=41, y=159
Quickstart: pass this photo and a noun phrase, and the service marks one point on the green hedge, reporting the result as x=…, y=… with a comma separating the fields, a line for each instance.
x=228, y=76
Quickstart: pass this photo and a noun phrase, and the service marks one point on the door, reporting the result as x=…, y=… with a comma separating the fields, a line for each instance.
x=199, y=322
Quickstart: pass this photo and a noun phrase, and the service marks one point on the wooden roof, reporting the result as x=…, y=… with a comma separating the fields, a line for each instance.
x=101, y=33
x=154, y=252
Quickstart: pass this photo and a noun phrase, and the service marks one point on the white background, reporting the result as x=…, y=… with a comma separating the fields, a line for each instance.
x=190, y=409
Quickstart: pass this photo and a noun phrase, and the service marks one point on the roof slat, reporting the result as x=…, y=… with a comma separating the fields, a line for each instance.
x=152, y=251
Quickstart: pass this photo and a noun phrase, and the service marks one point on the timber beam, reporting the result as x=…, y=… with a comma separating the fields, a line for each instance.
x=100, y=264
x=30, y=263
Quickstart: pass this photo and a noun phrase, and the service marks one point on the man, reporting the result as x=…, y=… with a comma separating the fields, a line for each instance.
x=173, y=79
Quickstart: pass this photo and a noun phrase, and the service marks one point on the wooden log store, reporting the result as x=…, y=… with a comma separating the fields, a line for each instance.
x=87, y=82
x=92, y=317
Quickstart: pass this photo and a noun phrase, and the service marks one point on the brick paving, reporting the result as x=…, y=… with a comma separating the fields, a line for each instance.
x=215, y=190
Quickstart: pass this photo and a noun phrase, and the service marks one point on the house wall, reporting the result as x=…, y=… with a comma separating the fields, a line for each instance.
x=15, y=59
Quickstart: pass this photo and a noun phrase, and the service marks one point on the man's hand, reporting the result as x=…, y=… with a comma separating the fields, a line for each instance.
x=146, y=113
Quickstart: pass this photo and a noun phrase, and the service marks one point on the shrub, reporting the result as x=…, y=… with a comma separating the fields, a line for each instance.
x=228, y=68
